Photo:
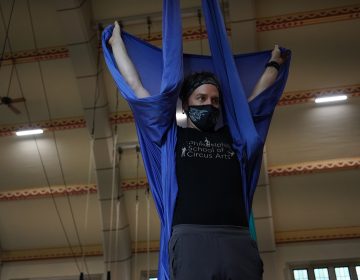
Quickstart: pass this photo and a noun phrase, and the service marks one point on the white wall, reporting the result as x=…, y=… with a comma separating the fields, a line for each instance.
x=67, y=268
x=276, y=265
x=48, y=268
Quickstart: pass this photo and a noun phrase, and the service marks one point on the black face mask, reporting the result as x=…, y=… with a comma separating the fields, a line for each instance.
x=204, y=117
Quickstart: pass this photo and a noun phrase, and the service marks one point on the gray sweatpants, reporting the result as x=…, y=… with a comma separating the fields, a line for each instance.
x=202, y=252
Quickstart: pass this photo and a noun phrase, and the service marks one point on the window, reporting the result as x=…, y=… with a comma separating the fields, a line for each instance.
x=301, y=274
x=321, y=274
x=329, y=270
x=151, y=276
x=342, y=273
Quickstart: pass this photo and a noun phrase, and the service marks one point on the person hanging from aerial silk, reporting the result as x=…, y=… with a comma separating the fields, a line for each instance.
x=202, y=177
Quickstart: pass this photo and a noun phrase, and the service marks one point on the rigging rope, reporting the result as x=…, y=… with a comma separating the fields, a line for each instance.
x=91, y=157
x=113, y=185
x=119, y=187
x=97, y=92
x=42, y=161
x=10, y=79
x=201, y=32
x=137, y=208
x=112, y=202
x=149, y=23
x=117, y=226
x=55, y=141
x=147, y=193
x=7, y=28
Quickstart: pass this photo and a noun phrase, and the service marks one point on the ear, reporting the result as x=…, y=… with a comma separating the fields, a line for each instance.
x=185, y=107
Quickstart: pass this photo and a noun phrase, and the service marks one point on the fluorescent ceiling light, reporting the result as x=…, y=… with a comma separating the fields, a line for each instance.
x=29, y=132
x=330, y=98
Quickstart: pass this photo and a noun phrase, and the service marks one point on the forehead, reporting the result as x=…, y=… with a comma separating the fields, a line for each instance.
x=208, y=89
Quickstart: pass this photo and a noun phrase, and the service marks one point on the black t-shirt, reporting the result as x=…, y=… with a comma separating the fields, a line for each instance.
x=209, y=179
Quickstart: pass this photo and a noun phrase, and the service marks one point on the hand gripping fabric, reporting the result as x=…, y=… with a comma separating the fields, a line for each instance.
x=161, y=72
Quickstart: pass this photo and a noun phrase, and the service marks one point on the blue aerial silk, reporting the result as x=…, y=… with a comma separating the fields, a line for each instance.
x=161, y=73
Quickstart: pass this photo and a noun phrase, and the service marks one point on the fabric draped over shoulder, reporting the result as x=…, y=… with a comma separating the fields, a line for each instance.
x=161, y=72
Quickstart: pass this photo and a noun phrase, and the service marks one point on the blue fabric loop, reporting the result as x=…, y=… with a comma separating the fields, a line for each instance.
x=161, y=72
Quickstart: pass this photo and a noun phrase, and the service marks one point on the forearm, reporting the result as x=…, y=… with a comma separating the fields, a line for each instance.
x=125, y=65
x=270, y=74
x=267, y=79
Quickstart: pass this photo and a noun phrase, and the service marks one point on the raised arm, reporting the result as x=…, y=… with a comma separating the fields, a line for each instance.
x=270, y=74
x=124, y=64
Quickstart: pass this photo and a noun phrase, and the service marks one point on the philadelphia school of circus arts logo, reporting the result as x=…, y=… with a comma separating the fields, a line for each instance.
x=207, y=150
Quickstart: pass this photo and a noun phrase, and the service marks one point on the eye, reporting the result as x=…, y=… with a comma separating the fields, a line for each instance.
x=201, y=98
x=216, y=101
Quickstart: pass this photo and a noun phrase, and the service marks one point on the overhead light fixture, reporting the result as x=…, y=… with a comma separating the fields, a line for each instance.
x=29, y=132
x=330, y=98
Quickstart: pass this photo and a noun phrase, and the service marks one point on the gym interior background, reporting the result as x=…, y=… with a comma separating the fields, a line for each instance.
x=75, y=198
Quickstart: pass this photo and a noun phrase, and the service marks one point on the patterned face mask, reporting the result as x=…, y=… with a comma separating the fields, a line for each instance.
x=204, y=117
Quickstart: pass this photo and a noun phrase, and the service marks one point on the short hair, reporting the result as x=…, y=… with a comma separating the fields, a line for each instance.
x=194, y=80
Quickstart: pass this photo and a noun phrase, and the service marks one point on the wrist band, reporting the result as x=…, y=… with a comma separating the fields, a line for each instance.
x=273, y=64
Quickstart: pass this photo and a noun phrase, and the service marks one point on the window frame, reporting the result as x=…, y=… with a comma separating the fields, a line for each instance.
x=329, y=264
x=152, y=273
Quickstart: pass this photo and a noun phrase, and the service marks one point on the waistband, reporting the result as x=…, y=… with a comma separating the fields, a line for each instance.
x=211, y=229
